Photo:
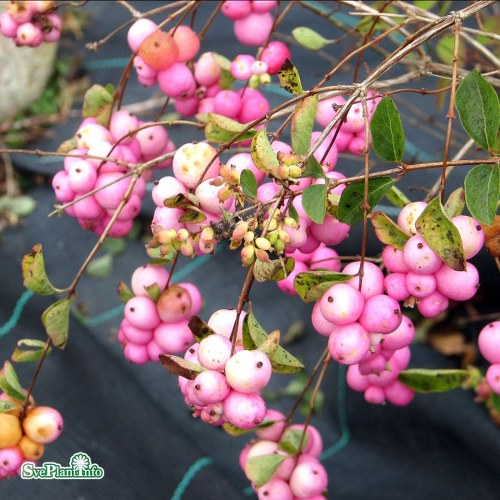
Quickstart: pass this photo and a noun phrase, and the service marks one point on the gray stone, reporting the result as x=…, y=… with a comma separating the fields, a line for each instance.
x=24, y=72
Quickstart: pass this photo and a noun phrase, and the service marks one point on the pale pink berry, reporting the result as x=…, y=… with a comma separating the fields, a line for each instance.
x=493, y=377
x=395, y=286
x=207, y=194
x=489, y=342
x=457, y=285
x=207, y=70
x=177, y=81
x=222, y=322
x=471, y=233
x=211, y=386
x=274, y=431
x=88, y=208
x=82, y=176
x=135, y=335
x=244, y=411
x=253, y=29
x=168, y=218
x=325, y=258
x=122, y=125
x=254, y=105
x=10, y=460
x=348, y=344
x=327, y=109
x=394, y=260
x=152, y=138
x=139, y=31
x=174, y=338
x=191, y=160
x=420, y=285
x=228, y=103
x=275, y=489
x=341, y=304
x=248, y=371
x=373, y=278
x=385, y=377
x=313, y=442
x=331, y=231
x=355, y=380
x=89, y=133
x=308, y=479
x=8, y=26
x=52, y=31
x=29, y=34
x=355, y=119
x=243, y=161
x=141, y=312
x=409, y=215
x=419, y=256
x=214, y=351
x=111, y=187
x=146, y=276
x=402, y=336
x=320, y=323
x=62, y=188
x=432, y=305
x=381, y=314
x=136, y=353
x=263, y=5
x=196, y=298
x=327, y=153
x=241, y=66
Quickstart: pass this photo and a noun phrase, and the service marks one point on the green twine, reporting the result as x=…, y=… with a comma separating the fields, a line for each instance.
x=16, y=314
x=189, y=475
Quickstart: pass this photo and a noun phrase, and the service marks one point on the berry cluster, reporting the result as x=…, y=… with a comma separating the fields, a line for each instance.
x=24, y=440
x=253, y=20
x=31, y=23
x=126, y=140
x=489, y=346
x=227, y=387
x=301, y=476
x=162, y=58
x=157, y=315
x=419, y=276
x=351, y=136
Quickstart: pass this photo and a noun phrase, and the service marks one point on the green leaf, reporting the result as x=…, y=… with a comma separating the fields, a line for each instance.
x=236, y=431
x=221, y=129
x=98, y=102
x=7, y=406
x=313, y=169
x=290, y=441
x=350, y=209
x=180, y=367
x=100, y=267
x=388, y=232
x=271, y=344
x=445, y=50
x=56, y=321
x=254, y=336
x=482, y=188
x=18, y=205
x=441, y=235
x=387, y=131
x=424, y=380
x=495, y=400
x=115, y=246
x=124, y=292
x=153, y=291
x=455, y=203
x=262, y=153
x=314, y=202
x=397, y=197
x=33, y=269
x=193, y=215
x=261, y=468
x=302, y=124
x=308, y=38
x=9, y=382
x=199, y=328
x=273, y=270
x=27, y=355
x=248, y=183
x=479, y=109
x=311, y=285
x=425, y=4
x=292, y=212
x=289, y=78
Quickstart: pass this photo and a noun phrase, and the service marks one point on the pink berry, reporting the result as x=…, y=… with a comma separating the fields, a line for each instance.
x=29, y=34
x=399, y=394
x=248, y=371
x=211, y=386
x=395, y=286
x=373, y=278
x=136, y=353
x=355, y=380
x=222, y=322
x=457, y=285
x=489, y=342
x=253, y=29
x=331, y=231
x=146, y=276
x=207, y=70
x=8, y=26
x=381, y=314
x=320, y=323
x=275, y=489
x=348, y=344
x=139, y=31
x=419, y=256
x=177, y=81
x=341, y=304
x=10, y=460
x=402, y=336
x=393, y=260
x=174, y=338
x=327, y=153
x=420, y=285
x=214, y=351
x=274, y=431
x=274, y=55
x=174, y=304
x=374, y=395
x=432, y=305
x=328, y=109
x=244, y=411
x=228, y=103
x=325, y=258
x=493, y=377
x=241, y=66
x=471, y=233
x=141, y=312
x=409, y=215
x=308, y=479
x=236, y=9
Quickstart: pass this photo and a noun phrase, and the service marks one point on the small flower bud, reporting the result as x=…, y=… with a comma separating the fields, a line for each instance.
x=249, y=236
x=262, y=255
x=263, y=243
x=247, y=255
